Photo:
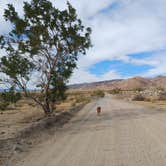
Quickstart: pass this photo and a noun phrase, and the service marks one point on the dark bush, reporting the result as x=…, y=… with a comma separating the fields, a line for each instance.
x=138, y=89
x=162, y=96
x=138, y=97
x=8, y=97
x=3, y=105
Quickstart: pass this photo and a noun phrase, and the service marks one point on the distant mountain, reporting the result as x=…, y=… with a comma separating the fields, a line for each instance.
x=124, y=84
x=94, y=85
x=160, y=81
x=135, y=82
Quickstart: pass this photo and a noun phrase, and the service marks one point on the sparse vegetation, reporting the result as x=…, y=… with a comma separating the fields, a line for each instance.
x=138, y=89
x=138, y=97
x=31, y=122
x=160, y=89
x=162, y=95
x=98, y=93
x=81, y=98
x=77, y=98
x=8, y=97
x=115, y=91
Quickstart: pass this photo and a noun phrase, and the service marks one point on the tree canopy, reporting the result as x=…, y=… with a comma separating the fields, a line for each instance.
x=42, y=48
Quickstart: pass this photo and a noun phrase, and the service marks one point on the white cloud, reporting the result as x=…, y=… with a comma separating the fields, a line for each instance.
x=158, y=63
x=133, y=26
x=83, y=76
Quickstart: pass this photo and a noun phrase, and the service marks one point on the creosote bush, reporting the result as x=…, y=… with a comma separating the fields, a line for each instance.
x=162, y=96
x=8, y=97
x=138, y=89
x=138, y=97
x=98, y=93
x=115, y=91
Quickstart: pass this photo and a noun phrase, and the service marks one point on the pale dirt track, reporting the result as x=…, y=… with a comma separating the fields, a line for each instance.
x=124, y=135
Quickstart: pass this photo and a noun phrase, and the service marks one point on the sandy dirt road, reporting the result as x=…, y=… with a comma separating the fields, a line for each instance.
x=124, y=135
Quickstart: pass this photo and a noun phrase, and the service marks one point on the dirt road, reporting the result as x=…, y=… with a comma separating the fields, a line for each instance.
x=124, y=135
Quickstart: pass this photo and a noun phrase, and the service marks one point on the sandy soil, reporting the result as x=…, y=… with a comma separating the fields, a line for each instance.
x=24, y=126
x=158, y=104
x=13, y=121
x=125, y=134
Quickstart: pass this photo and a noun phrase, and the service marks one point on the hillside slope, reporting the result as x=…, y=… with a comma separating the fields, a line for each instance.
x=126, y=84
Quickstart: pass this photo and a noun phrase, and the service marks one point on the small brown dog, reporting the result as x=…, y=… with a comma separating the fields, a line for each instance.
x=98, y=110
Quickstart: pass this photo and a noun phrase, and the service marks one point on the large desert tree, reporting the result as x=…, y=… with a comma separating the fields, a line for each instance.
x=42, y=49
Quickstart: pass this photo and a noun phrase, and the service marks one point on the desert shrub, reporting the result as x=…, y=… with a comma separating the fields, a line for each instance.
x=8, y=97
x=98, y=93
x=138, y=89
x=115, y=91
x=148, y=99
x=160, y=88
x=3, y=105
x=138, y=97
x=81, y=98
x=73, y=104
x=162, y=96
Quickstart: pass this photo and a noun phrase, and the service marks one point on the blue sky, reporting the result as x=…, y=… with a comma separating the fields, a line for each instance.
x=125, y=69
x=128, y=37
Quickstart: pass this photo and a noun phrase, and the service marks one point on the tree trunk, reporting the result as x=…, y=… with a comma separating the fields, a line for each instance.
x=45, y=106
x=47, y=109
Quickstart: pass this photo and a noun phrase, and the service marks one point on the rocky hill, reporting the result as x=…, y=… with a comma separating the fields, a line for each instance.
x=124, y=84
x=160, y=81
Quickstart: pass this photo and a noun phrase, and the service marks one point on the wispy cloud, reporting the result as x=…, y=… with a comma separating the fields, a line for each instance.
x=120, y=28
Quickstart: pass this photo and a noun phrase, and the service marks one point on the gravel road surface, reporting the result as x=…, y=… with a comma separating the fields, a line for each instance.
x=125, y=134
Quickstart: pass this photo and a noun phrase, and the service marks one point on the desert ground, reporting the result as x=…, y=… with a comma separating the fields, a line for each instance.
x=125, y=134
x=24, y=125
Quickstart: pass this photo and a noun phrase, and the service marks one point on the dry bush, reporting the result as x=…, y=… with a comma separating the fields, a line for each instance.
x=162, y=96
x=160, y=89
x=81, y=99
x=98, y=93
x=138, y=97
x=138, y=89
x=74, y=99
x=115, y=91
x=3, y=105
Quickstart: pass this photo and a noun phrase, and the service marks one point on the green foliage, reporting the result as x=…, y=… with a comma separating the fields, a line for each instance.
x=98, y=93
x=8, y=97
x=15, y=66
x=138, y=89
x=46, y=42
x=115, y=91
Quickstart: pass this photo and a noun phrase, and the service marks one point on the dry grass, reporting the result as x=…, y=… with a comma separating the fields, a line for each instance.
x=26, y=112
x=27, y=119
x=155, y=104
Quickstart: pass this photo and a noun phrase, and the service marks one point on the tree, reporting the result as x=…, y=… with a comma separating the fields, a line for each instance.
x=42, y=47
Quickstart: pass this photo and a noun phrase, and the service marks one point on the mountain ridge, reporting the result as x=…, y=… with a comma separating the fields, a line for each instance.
x=124, y=84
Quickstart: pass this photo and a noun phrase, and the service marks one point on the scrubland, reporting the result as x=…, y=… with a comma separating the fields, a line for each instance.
x=24, y=124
